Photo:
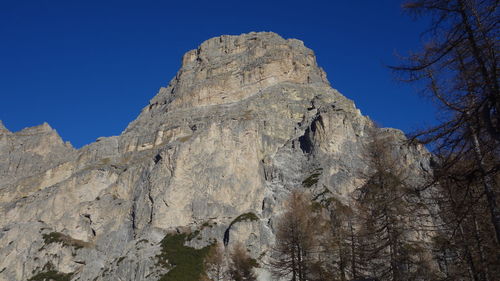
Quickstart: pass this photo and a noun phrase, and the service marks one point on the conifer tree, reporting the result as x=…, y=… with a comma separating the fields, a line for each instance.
x=215, y=264
x=459, y=66
x=386, y=210
x=295, y=240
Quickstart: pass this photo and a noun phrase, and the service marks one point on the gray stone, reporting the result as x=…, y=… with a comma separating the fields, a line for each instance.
x=246, y=119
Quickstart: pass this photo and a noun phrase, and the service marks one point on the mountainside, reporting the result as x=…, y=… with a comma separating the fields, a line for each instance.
x=246, y=120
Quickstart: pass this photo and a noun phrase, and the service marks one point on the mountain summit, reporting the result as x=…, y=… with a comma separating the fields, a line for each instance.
x=214, y=154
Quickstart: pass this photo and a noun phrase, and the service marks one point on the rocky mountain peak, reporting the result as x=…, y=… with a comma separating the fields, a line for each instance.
x=231, y=68
x=247, y=119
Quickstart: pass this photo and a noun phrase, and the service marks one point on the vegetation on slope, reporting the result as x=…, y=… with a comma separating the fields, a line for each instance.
x=245, y=217
x=185, y=263
x=312, y=179
x=51, y=275
x=65, y=240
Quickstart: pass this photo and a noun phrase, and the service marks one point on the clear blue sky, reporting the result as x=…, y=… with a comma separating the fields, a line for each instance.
x=88, y=67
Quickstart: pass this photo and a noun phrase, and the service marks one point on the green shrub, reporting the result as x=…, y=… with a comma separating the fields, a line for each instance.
x=313, y=178
x=51, y=275
x=185, y=263
x=120, y=260
x=65, y=240
x=53, y=237
x=245, y=217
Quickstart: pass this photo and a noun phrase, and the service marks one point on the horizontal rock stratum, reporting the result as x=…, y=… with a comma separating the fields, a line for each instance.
x=246, y=119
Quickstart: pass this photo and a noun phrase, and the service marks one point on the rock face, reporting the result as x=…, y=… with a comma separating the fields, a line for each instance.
x=246, y=119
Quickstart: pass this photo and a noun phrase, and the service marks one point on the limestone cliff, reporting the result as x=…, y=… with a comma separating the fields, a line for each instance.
x=246, y=119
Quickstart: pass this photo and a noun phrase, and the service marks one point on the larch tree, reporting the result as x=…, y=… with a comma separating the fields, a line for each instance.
x=387, y=208
x=459, y=68
x=464, y=247
x=340, y=242
x=215, y=264
x=295, y=245
x=241, y=265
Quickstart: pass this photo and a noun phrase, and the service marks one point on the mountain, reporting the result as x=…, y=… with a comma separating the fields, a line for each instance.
x=246, y=120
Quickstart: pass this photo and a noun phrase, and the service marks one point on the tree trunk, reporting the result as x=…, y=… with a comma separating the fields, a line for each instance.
x=488, y=184
x=468, y=256
x=299, y=263
x=480, y=249
x=490, y=82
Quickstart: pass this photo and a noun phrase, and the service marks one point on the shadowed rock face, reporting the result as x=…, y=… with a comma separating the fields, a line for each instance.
x=246, y=119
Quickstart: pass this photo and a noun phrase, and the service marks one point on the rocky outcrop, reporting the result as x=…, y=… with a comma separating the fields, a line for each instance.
x=29, y=157
x=246, y=119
